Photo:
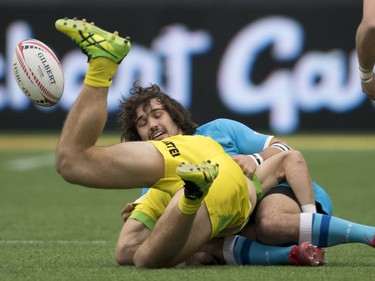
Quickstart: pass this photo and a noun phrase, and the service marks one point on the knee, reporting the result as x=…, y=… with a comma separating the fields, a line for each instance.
x=295, y=159
x=66, y=165
x=295, y=156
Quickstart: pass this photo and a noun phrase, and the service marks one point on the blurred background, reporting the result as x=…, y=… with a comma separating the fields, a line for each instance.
x=283, y=67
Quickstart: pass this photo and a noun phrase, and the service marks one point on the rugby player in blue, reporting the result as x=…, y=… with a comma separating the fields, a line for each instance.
x=238, y=139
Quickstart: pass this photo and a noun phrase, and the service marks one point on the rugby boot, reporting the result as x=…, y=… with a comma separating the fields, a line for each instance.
x=307, y=254
x=94, y=41
x=198, y=178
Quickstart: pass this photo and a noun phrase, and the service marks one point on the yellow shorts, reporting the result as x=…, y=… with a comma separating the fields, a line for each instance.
x=227, y=201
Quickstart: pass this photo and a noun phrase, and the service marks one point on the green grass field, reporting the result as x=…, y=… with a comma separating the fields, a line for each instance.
x=51, y=230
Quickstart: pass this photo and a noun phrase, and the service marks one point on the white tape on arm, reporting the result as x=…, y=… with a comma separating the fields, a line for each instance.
x=365, y=75
x=257, y=158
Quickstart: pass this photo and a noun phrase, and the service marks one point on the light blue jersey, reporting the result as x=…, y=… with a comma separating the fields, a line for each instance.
x=236, y=138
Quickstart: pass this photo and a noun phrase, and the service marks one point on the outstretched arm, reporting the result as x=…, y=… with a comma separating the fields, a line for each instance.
x=365, y=45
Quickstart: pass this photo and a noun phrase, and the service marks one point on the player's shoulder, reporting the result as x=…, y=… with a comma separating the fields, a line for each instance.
x=221, y=122
x=222, y=126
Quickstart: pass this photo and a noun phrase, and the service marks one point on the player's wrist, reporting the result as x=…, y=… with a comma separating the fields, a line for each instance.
x=366, y=75
x=257, y=158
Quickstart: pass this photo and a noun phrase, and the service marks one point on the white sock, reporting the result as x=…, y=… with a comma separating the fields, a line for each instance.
x=305, y=227
x=228, y=246
x=308, y=208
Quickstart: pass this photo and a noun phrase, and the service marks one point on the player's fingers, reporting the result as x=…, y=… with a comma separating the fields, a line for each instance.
x=126, y=211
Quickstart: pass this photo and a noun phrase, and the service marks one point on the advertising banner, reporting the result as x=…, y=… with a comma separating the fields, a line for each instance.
x=277, y=68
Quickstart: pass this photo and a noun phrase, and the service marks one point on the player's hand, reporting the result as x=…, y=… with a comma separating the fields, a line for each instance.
x=246, y=163
x=127, y=210
x=369, y=89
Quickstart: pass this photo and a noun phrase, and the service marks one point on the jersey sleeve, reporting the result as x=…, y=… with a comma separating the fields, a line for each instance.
x=235, y=137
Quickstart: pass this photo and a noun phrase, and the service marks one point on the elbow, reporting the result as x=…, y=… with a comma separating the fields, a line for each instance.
x=366, y=29
x=124, y=253
x=368, y=23
x=123, y=260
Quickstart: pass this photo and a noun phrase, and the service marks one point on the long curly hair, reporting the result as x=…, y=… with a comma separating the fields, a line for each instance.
x=142, y=96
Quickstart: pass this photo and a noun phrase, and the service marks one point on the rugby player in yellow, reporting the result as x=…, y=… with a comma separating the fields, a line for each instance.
x=186, y=224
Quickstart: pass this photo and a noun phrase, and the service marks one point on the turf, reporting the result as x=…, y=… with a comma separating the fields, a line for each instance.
x=52, y=230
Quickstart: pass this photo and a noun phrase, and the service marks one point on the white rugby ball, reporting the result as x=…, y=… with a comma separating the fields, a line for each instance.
x=38, y=72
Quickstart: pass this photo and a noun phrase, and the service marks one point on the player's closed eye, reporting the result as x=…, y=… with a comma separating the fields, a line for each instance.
x=157, y=113
x=141, y=123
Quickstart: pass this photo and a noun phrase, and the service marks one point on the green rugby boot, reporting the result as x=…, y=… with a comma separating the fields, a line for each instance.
x=198, y=178
x=94, y=41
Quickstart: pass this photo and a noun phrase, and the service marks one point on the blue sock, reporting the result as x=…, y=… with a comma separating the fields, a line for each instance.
x=330, y=231
x=247, y=252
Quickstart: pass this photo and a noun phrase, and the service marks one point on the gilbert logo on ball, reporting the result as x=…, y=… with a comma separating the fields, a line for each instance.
x=38, y=72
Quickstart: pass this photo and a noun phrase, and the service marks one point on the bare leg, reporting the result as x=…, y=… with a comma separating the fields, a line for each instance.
x=85, y=121
x=278, y=220
x=172, y=243
x=78, y=159
x=122, y=165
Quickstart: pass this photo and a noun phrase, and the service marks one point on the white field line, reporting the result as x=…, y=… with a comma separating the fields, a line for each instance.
x=74, y=242
x=31, y=163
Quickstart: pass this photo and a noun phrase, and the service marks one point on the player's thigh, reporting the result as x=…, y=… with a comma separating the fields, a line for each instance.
x=280, y=200
x=199, y=233
x=277, y=219
x=123, y=165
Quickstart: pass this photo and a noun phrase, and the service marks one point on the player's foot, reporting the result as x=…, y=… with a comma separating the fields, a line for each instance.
x=373, y=242
x=307, y=254
x=94, y=41
x=198, y=178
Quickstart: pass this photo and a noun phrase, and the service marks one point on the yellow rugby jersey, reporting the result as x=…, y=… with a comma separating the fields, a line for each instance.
x=188, y=149
x=227, y=200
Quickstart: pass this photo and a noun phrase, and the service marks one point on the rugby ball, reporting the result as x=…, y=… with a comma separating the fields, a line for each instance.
x=38, y=72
